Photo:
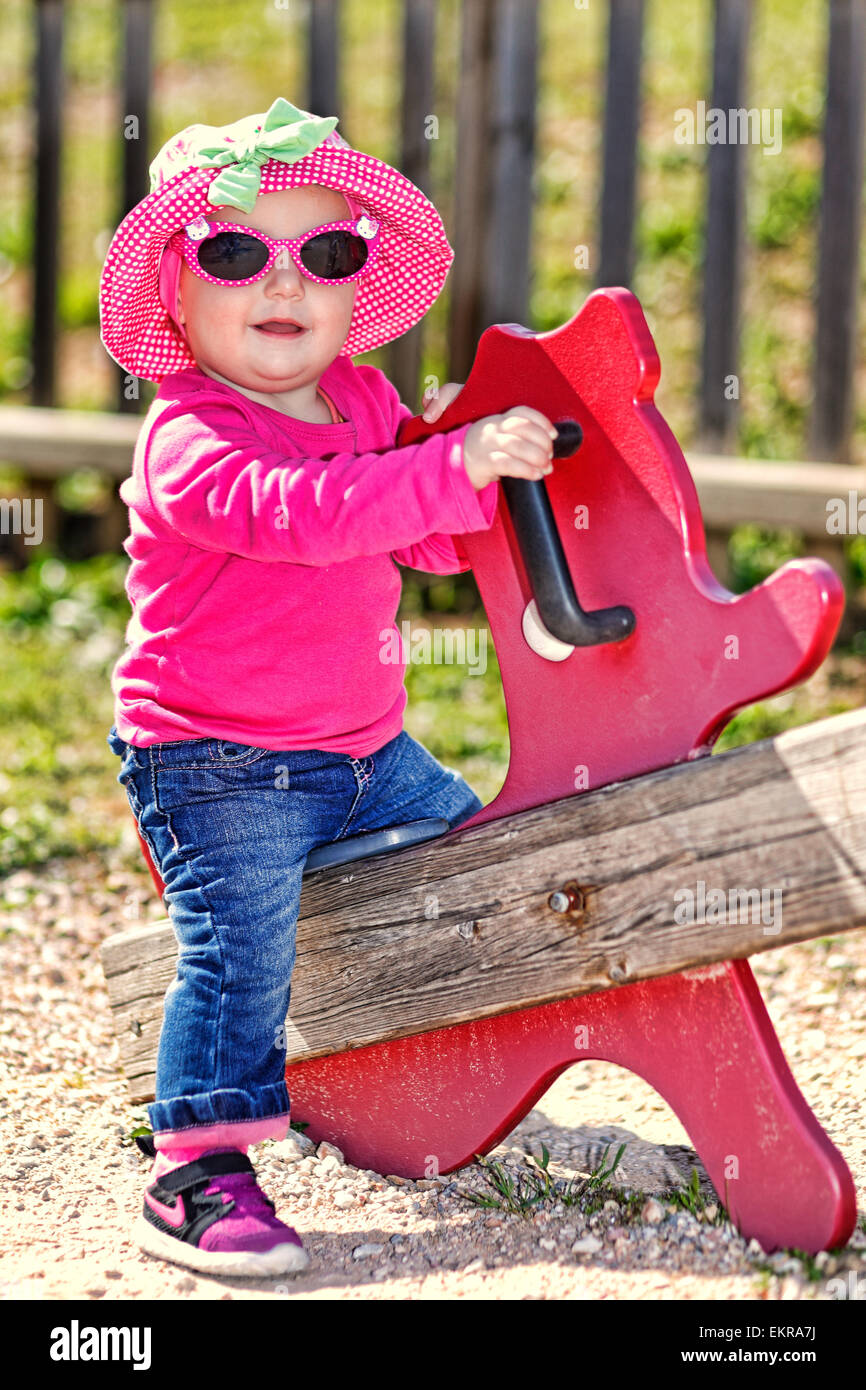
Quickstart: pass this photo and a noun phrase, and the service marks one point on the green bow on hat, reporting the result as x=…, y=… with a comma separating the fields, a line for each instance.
x=288, y=134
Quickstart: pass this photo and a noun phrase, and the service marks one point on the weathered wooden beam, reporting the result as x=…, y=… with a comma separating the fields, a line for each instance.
x=511, y=157
x=835, y=357
x=417, y=99
x=138, y=26
x=50, y=443
x=794, y=495
x=323, y=60
x=471, y=184
x=622, y=104
x=723, y=252
x=461, y=928
x=48, y=100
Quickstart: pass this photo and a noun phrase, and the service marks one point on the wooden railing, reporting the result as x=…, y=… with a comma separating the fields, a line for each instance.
x=50, y=444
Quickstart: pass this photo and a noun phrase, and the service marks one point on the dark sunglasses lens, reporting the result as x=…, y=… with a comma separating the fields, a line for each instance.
x=334, y=255
x=232, y=256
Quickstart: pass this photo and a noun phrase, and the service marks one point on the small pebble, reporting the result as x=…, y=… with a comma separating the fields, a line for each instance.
x=588, y=1245
x=652, y=1212
x=327, y=1165
x=326, y=1150
x=361, y=1252
x=304, y=1144
x=287, y=1150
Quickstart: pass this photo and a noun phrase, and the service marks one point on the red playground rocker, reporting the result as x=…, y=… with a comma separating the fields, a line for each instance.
x=620, y=655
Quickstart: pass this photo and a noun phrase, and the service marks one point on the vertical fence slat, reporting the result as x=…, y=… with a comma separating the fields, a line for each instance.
x=474, y=93
x=723, y=249
x=48, y=101
x=323, y=76
x=619, y=159
x=419, y=33
x=505, y=269
x=839, y=236
x=137, y=81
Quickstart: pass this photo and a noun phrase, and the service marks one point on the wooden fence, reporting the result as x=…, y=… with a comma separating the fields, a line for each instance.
x=491, y=228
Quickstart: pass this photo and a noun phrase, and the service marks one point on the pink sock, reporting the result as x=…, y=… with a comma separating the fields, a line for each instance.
x=175, y=1147
x=174, y=1158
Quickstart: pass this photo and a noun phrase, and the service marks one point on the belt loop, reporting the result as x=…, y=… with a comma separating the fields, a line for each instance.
x=362, y=772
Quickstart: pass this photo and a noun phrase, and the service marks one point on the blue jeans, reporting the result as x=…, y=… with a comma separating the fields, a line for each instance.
x=229, y=827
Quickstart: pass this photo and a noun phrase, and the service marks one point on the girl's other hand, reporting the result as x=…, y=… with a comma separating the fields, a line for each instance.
x=436, y=401
x=516, y=444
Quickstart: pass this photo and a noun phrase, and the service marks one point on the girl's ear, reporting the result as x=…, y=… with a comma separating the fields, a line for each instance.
x=171, y=269
x=178, y=312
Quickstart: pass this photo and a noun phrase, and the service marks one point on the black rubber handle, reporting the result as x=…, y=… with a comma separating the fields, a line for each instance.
x=545, y=563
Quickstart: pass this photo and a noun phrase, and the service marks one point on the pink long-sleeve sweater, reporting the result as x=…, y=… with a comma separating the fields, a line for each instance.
x=263, y=582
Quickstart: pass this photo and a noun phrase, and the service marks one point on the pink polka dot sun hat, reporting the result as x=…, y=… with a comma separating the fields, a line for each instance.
x=204, y=167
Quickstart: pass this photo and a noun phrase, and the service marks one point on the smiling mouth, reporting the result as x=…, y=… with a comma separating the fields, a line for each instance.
x=281, y=327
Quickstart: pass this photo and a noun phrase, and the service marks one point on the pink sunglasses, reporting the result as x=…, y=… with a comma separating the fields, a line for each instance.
x=226, y=253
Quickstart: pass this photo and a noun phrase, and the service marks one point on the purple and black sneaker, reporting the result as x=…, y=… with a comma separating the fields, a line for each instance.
x=211, y=1215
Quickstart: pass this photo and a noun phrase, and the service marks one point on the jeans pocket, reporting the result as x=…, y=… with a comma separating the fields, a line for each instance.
x=233, y=774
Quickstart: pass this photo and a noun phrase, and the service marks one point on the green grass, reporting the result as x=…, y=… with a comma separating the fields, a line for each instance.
x=62, y=625
x=531, y=1188
x=526, y=1190
x=62, y=629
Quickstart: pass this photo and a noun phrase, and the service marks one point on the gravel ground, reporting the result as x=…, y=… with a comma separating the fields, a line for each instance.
x=72, y=1183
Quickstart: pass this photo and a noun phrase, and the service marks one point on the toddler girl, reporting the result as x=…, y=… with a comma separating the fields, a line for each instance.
x=254, y=717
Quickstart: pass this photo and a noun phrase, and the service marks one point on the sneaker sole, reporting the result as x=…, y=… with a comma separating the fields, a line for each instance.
x=282, y=1259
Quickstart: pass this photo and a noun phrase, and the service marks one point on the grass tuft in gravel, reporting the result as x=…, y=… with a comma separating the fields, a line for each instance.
x=527, y=1191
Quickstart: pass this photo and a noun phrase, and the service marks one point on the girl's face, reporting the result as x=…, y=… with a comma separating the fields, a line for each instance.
x=221, y=322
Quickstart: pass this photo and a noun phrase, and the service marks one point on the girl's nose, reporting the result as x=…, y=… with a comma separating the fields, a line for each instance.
x=284, y=274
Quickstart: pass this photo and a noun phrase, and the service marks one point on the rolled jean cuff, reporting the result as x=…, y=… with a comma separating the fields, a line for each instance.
x=217, y=1108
